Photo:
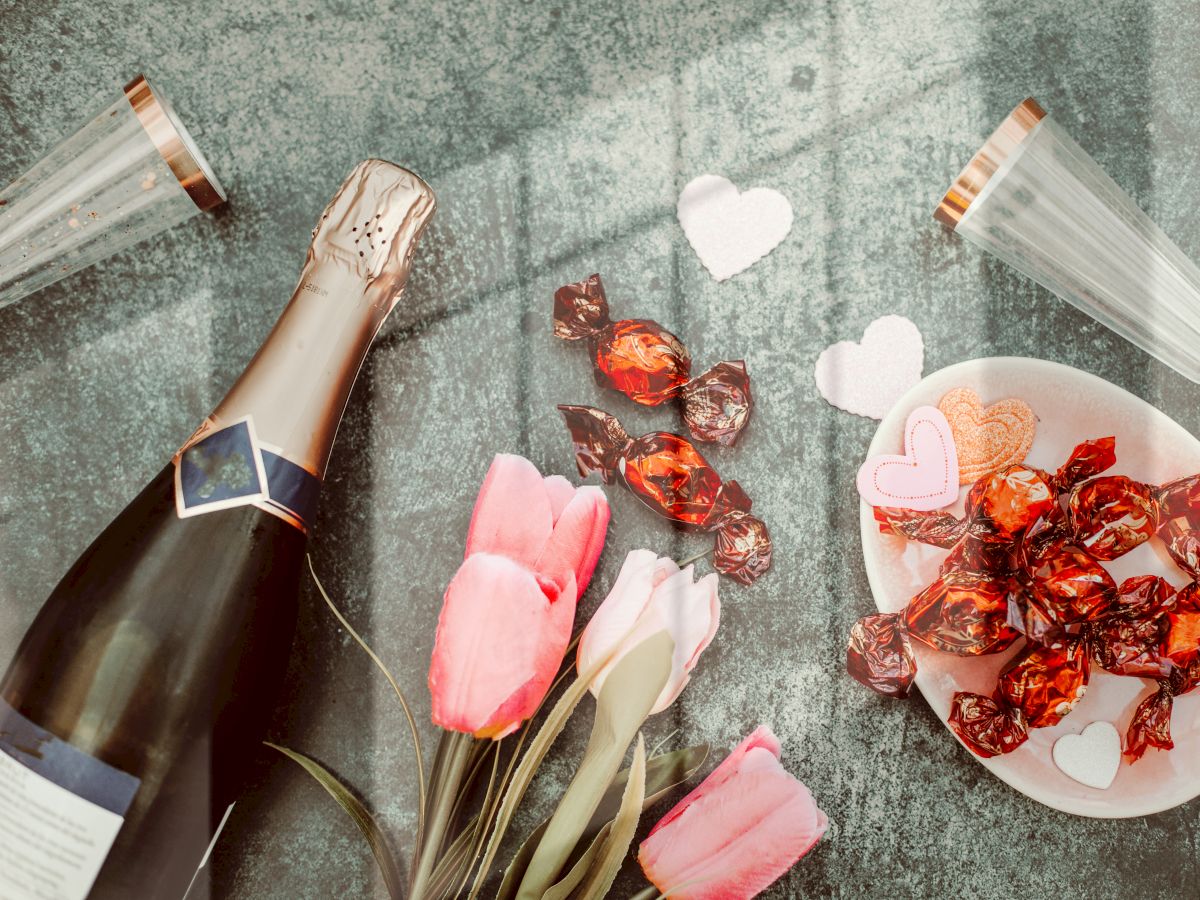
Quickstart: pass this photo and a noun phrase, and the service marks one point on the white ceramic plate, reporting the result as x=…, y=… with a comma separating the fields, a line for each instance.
x=1071, y=406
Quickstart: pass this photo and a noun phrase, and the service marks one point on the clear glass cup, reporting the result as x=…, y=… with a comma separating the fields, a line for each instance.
x=1036, y=199
x=126, y=175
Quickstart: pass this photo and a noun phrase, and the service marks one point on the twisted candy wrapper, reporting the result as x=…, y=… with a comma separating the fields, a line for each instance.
x=1178, y=649
x=668, y=474
x=650, y=366
x=1111, y=515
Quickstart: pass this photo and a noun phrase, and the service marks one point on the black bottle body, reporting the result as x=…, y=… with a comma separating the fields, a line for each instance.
x=161, y=653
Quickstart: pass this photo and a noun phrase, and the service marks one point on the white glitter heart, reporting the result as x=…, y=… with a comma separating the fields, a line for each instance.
x=868, y=378
x=730, y=230
x=1091, y=757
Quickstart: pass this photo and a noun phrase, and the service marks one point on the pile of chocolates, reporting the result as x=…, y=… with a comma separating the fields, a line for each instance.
x=1023, y=565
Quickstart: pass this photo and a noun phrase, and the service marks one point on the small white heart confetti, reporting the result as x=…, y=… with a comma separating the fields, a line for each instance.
x=868, y=378
x=1091, y=757
x=729, y=230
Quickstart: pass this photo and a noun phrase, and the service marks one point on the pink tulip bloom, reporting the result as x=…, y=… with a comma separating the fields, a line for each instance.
x=742, y=828
x=650, y=595
x=507, y=614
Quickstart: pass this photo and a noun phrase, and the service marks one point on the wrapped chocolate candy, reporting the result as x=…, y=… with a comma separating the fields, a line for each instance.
x=669, y=475
x=1065, y=585
x=1144, y=596
x=1182, y=537
x=1037, y=689
x=1155, y=634
x=985, y=725
x=650, y=366
x=964, y=614
x=1110, y=516
x=935, y=527
x=1131, y=647
x=1151, y=722
x=880, y=655
x=1132, y=640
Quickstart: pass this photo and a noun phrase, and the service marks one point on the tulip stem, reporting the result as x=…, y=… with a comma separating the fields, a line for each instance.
x=696, y=558
x=443, y=795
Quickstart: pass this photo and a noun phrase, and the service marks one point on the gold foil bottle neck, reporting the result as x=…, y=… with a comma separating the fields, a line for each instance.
x=370, y=229
x=295, y=389
x=984, y=164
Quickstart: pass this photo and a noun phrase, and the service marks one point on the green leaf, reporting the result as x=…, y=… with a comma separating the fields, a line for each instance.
x=648, y=894
x=455, y=864
x=663, y=774
x=412, y=722
x=358, y=813
x=625, y=700
x=603, y=872
x=522, y=777
x=563, y=889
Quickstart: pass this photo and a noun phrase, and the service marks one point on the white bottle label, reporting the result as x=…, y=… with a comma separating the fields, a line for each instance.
x=60, y=811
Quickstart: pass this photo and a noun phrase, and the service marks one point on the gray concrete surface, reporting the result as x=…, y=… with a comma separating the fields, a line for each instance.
x=557, y=138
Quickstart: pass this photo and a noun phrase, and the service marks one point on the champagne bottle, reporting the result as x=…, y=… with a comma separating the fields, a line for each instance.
x=139, y=696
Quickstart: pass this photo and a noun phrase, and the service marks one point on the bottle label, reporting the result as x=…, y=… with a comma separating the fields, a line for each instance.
x=60, y=811
x=231, y=467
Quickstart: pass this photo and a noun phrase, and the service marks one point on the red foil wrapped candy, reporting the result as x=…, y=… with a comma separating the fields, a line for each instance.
x=1065, y=585
x=650, y=366
x=1180, y=655
x=987, y=727
x=1045, y=683
x=1183, y=544
x=668, y=474
x=1151, y=722
x=1037, y=689
x=965, y=615
x=1112, y=515
x=1131, y=647
x=880, y=655
x=1183, y=636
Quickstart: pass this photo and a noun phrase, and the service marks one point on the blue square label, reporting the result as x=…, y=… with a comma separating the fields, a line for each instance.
x=222, y=470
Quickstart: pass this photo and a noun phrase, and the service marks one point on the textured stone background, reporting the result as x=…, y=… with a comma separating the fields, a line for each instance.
x=557, y=138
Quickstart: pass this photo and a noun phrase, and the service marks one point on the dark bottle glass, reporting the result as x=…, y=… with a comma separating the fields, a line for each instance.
x=143, y=686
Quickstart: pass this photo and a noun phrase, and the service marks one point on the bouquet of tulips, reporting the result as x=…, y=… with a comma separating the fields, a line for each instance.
x=506, y=629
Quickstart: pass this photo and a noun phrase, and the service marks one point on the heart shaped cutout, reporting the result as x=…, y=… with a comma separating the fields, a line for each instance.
x=988, y=438
x=1091, y=757
x=925, y=477
x=868, y=378
x=731, y=230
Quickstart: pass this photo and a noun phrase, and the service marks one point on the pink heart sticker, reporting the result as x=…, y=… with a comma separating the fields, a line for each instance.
x=925, y=477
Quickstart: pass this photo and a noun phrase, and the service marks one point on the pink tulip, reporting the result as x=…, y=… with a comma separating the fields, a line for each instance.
x=507, y=613
x=651, y=594
x=744, y=826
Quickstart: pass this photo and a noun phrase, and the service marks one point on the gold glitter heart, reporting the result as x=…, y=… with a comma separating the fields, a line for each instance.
x=990, y=438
